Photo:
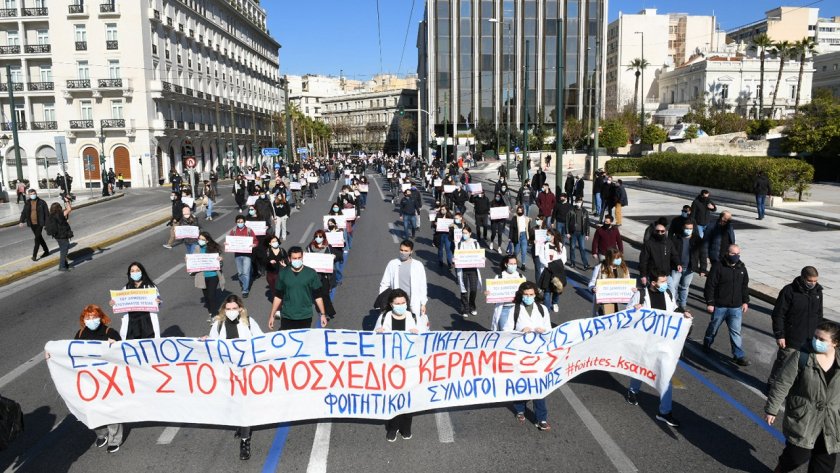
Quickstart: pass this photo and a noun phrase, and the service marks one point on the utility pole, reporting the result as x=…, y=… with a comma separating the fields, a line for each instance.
x=288, y=154
x=11, y=86
x=642, y=95
x=445, y=129
x=559, y=84
x=525, y=157
x=597, y=90
x=221, y=156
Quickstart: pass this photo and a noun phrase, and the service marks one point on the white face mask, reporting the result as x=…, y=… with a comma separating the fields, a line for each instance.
x=232, y=314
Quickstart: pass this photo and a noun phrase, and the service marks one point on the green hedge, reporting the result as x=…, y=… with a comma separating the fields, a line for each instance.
x=734, y=173
x=623, y=166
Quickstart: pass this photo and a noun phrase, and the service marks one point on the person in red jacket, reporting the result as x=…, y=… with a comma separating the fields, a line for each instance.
x=545, y=202
x=606, y=236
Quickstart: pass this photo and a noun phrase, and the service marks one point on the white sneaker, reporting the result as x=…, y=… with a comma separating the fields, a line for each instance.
x=167, y=247
x=555, y=308
x=475, y=312
x=490, y=246
x=465, y=315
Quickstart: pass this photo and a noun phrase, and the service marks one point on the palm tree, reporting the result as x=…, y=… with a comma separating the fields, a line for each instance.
x=637, y=65
x=783, y=50
x=804, y=47
x=761, y=43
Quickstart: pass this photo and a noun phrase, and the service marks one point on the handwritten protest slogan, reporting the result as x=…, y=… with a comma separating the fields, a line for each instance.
x=448, y=189
x=323, y=373
x=437, y=182
x=252, y=199
x=295, y=186
x=502, y=290
x=335, y=239
x=614, y=290
x=238, y=244
x=203, y=262
x=499, y=213
x=259, y=227
x=349, y=214
x=475, y=189
x=340, y=221
x=188, y=201
x=363, y=188
x=469, y=258
x=320, y=262
x=134, y=300
x=442, y=224
x=186, y=231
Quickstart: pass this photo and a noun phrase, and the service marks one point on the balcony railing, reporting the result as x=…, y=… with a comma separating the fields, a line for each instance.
x=169, y=21
x=190, y=126
x=169, y=123
x=75, y=9
x=37, y=48
x=112, y=44
x=113, y=123
x=167, y=87
x=78, y=84
x=107, y=7
x=43, y=11
x=80, y=124
x=180, y=124
x=177, y=88
x=10, y=49
x=199, y=94
x=180, y=27
x=110, y=83
x=44, y=125
x=7, y=126
x=41, y=85
x=16, y=86
x=8, y=12
x=81, y=45
x=188, y=91
x=156, y=15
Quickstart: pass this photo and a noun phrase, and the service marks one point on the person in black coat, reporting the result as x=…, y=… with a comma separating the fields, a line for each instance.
x=34, y=215
x=561, y=209
x=577, y=193
x=657, y=256
x=538, y=180
x=569, y=184
x=687, y=247
x=761, y=189
x=701, y=207
x=59, y=228
x=727, y=299
x=481, y=206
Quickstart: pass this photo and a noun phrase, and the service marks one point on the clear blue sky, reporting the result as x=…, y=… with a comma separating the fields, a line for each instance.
x=327, y=36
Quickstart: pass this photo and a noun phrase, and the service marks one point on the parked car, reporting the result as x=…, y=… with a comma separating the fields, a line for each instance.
x=678, y=132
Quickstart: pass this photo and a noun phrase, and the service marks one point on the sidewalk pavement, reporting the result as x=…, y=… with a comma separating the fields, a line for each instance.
x=774, y=249
x=10, y=211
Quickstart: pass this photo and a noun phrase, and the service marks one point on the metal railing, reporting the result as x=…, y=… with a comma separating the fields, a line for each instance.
x=78, y=84
x=110, y=83
x=107, y=8
x=42, y=11
x=44, y=125
x=112, y=123
x=80, y=124
x=75, y=9
x=188, y=91
x=8, y=12
x=16, y=86
x=112, y=44
x=167, y=87
x=37, y=48
x=177, y=88
x=41, y=85
x=7, y=126
x=156, y=15
x=169, y=123
x=10, y=49
x=81, y=45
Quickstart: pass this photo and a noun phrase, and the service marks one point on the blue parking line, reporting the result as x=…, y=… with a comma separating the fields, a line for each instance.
x=272, y=460
x=712, y=386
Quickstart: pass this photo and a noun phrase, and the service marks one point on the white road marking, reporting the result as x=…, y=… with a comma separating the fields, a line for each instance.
x=617, y=456
x=168, y=435
x=332, y=194
x=23, y=368
x=379, y=188
x=446, y=434
x=394, y=236
x=305, y=236
x=320, y=448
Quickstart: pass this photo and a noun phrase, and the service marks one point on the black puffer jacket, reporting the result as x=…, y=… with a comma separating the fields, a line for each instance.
x=727, y=285
x=797, y=312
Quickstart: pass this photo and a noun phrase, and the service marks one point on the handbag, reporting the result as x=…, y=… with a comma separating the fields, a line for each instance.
x=509, y=249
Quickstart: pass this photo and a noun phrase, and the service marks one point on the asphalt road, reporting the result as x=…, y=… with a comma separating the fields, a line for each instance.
x=594, y=430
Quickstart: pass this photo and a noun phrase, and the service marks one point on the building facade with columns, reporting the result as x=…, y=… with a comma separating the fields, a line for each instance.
x=144, y=88
x=370, y=121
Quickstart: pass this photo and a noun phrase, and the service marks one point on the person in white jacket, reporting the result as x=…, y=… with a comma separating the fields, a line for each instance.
x=232, y=322
x=655, y=296
x=408, y=274
x=509, y=269
x=469, y=279
x=397, y=318
x=528, y=315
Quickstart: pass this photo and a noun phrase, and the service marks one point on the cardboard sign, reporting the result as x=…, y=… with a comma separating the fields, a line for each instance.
x=437, y=182
x=238, y=244
x=320, y=262
x=404, y=187
x=249, y=177
x=188, y=201
x=540, y=236
x=335, y=239
x=363, y=188
x=340, y=221
x=469, y=259
x=259, y=227
x=449, y=188
x=389, y=175
x=312, y=179
x=203, y=262
x=502, y=290
x=499, y=213
x=252, y=199
x=475, y=189
x=611, y=291
x=186, y=232
x=349, y=214
x=347, y=172
x=432, y=216
x=134, y=300
x=402, y=175
x=295, y=186
x=442, y=224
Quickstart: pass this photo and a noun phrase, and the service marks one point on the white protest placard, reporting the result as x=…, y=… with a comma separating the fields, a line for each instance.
x=499, y=213
x=250, y=177
x=186, y=232
x=203, y=262
x=475, y=189
x=502, y=290
x=437, y=182
x=449, y=188
x=457, y=234
x=347, y=172
x=295, y=186
x=340, y=221
x=442, y=224
x=540, y=236
x=402, y=175
x=609, y=291
x=469, y=258
x=238, y=244
x=349, y=214
x=335, y=239
x=404, y=187
x=363, y=188
x=312, y=179
x=134, y=300
x=432, y=216
x=320, y=262
x=252, y=199
x=389, y=175
x=188, y=201
x=259, y=227
x=286, y=377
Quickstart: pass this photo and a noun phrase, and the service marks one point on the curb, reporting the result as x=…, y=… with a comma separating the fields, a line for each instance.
x=52, y=261
x=86, y=203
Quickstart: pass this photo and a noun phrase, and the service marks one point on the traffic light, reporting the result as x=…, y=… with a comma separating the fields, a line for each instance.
x=402, y=110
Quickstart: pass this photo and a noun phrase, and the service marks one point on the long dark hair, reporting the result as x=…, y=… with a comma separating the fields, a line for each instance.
x=146, y=280
x=212, y=246
x=55, y=209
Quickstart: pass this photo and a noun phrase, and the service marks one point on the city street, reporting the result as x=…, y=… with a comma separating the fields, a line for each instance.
x=594, y=429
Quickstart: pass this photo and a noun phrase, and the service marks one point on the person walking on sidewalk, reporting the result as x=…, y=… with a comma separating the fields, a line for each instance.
x=700, y=209
x=687, y=248
x=761, y=189
x=619, y=199
x=34, y=215
x=798, y=310
x=20, y=189
x=727, y=298
x=59, y=228
x=577, y=232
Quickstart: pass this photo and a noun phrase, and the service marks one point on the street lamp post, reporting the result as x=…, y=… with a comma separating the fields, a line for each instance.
x=507, y=98
x=642, y=67
x=559, y=111
x=525, y=157
x=4, y=140
x=10, y=84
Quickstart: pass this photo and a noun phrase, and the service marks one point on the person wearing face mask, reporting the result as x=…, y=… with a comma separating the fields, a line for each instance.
x=258, y=257
x=408, y=274
x=618, y=197
x=806, y=385
x=677, y=223
x=408, y=214
x=188, y=218
x=561, y=210
x=93, y=325
x=58, y=227
x=657, y=255
x=34, y=215
x=727, y=299
x=239, y=191
x=469, y=279
x=597, y=185
x=520, y=225
x=243, y=260
x=298, y=288
x=687, y=247
x=528, y=315
x=538, y=181
x=319, y=244
x=613, y=266
x=211, y=283
x=442, y=237
x=459, y=199
x=552, y=275
x=363, y=192
x=537, y=249
x=139, y=325
x=481, y=207
x=508, y=269
x=282, y=210
x=276, y=259
x=577, y=232
x=545, y=203
x=230, y=323
x=177, y=205
x=337, y=251
x=606, y=236
x=655, y=296
x=701, y=207
x=523, y=197
x=798, y=310
x=718, y=236
x=264, y=207
x=397, y=318
x=497, y=226
x=501, y=188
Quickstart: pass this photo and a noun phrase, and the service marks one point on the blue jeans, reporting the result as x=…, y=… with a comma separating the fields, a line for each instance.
x=579, y=241
x=190, y=247
x=409, y=222
x=701, y=229
x=759, y=203
x=598, y=203
x=679, y=284
x=209, y=213
x=362, y=199
x=243, y=269
x=540, y=409
x=732, y=316
x=348, y=240
x=665, y=399
x=339, y=271
x=444, y=249
x=550, y=298
x=561, y=228
x=521, y=247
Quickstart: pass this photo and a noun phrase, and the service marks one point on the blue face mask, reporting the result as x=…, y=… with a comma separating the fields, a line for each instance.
x=319, y=240
x=297, y=264
x=819, y=346
x=617, y=262
x=684, y=214
x=511, y=268
x=93, y=324
x=400, y=309
x=136, y=276
x=240, y=224
x=687, y=232
x=663, y=287
x=528, y=300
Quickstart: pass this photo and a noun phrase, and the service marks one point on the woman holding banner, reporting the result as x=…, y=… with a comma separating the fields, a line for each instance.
x=397, y=318
x=210, y=282
x=319, y=244
x=231, y=322
x=138, y=325
x=612, y=267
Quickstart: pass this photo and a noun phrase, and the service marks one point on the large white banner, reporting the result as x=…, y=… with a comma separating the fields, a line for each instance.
x=319, y=373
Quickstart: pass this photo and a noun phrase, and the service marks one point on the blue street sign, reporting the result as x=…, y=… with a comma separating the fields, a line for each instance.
x=303, y=150
x=516, y=150
x=267, y=152
x=276, y=165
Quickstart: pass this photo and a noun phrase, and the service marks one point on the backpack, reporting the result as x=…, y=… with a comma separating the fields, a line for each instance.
x=516, y=312
x=11, y=421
